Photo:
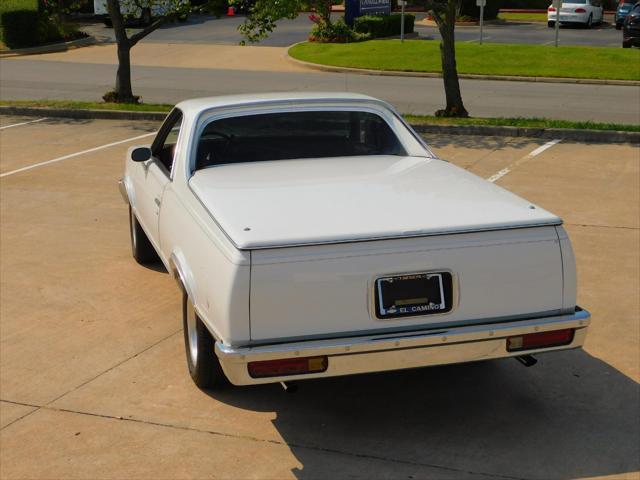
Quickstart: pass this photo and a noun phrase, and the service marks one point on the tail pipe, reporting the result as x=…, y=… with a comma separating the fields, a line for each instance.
x=527, y=360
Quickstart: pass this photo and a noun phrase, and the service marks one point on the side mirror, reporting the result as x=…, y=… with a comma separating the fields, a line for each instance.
x=140, y=154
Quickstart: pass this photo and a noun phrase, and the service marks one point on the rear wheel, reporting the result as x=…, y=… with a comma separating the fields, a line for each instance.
x=145, y=18
x=589, y=23
x=618, y=26
x=202, y=361
x=141, y=247
x=551, y=24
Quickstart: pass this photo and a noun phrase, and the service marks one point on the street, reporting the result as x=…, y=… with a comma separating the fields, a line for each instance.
x=203, y=29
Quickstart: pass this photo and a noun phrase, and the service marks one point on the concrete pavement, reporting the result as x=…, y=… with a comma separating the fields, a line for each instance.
x=93, y=381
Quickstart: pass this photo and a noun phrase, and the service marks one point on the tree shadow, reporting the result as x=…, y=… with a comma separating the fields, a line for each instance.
x=572, y=415
x=438, y=140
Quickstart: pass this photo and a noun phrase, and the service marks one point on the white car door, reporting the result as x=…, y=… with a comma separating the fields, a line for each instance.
x=155, y=174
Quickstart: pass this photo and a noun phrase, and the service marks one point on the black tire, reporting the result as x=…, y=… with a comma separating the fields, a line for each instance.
x=202, y=361
x=145, y=17
x=141, y=247
x=626, y=45
x=589, y=23
x=618, y=26
x=551, y=24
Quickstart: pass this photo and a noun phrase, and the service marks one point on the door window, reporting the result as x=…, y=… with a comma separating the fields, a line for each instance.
x=164, y=146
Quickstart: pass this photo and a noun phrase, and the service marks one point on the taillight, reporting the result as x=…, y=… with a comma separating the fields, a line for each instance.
x=288, y=366
x=552, y=9
x=554, y=338
x=580, y=10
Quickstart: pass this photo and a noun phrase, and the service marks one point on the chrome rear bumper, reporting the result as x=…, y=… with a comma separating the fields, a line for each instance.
x=397, y=351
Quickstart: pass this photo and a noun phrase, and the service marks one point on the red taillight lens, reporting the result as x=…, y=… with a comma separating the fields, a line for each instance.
x=288, y=366
x=552, y=9
x=580, y=10
x=530, y=341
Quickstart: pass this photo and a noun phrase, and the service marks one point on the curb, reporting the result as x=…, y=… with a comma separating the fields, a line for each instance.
x=81, y=114
x=467, y=76
x=596, y=136
x=55, y=47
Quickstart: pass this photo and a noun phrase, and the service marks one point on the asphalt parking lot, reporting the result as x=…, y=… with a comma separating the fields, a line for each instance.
x=93, y=380
x=204, y=29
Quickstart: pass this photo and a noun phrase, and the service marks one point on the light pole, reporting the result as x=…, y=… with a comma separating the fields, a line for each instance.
x=481, y=4
x=557, y=4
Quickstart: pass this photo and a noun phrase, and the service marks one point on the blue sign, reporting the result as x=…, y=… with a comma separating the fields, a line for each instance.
x=358, y=8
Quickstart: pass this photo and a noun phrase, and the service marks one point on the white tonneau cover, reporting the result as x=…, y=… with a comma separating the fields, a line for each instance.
x=329, y=200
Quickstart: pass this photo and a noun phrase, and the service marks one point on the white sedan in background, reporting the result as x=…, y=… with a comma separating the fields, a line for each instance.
x=577, y=12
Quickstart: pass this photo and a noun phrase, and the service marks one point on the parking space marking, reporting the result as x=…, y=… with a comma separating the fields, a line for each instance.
x=23, y=123
x=496, y=176
x=77, y=154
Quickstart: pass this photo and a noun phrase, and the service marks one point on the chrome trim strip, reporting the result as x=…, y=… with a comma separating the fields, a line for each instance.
x=123, y=190
x=384, y=341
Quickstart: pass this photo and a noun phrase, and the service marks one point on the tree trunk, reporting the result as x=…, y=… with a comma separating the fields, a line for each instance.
x=455, y=107
x=123, y=76
x=123, y=92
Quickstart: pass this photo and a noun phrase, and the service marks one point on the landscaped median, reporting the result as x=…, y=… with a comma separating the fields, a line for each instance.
x=513, y=127
x=491, y=59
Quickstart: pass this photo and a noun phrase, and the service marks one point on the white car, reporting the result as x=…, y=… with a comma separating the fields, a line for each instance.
x=577, y=12
x=316, y=235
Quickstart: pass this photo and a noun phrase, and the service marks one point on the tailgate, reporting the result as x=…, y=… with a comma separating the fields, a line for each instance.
x=332, y=290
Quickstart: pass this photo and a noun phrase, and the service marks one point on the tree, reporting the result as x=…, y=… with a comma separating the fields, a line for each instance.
x=122, y=10
x=444, y=13
x=263, y=16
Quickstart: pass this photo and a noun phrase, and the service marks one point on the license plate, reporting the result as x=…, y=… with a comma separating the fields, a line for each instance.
x=412, y=295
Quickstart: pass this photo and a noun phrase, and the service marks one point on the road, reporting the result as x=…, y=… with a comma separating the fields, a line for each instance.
x=209, y=30
x=94, y=383
x=31, y=79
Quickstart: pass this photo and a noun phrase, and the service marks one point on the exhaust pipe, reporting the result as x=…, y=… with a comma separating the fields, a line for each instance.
x=289, y=387
x=527, y=360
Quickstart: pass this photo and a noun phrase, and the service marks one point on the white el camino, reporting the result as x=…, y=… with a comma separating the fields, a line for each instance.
x=315, y=235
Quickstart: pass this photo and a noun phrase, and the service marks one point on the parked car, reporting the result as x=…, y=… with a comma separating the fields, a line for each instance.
x=631, y=28
x=624, y=7
x=577, y=12
x=139, y=13
x=316, y=235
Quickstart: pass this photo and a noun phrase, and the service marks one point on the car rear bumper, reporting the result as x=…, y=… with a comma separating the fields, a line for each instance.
x=569, y=17
x=377, y=353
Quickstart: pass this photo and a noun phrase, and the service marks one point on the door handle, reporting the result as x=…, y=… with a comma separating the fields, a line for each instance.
x=157, y=200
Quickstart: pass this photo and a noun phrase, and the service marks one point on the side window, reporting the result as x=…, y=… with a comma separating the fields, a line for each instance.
x=164, y=146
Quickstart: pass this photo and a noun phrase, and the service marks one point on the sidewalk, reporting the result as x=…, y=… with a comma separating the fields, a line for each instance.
x=217, y=57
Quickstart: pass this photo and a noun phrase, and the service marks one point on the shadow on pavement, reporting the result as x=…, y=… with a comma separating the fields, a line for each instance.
x=570, y=416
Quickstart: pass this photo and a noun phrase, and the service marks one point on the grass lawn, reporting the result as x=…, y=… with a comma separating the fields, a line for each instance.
x=524, y=17
x=413, y=119
x=487, y=59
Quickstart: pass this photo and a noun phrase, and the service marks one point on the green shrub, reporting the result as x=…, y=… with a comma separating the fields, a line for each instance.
x=27, y=28
x=333, y=32
x=377, y=26
x=491, y=9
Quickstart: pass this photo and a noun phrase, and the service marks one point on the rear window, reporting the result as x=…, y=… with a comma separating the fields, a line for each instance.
x=289, y=135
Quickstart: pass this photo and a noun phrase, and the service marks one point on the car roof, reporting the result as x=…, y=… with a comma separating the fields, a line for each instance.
x=198, y=105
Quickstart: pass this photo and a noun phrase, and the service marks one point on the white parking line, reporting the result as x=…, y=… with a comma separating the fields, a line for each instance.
x=496, y=176
x=23, y=123
x=71, y=155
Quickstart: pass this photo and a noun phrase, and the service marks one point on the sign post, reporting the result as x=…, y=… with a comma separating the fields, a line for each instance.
x=402, y=4
x=557, y=4
x=481, y=4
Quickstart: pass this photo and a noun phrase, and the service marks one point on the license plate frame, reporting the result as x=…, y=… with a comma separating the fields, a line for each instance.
x=415, y=294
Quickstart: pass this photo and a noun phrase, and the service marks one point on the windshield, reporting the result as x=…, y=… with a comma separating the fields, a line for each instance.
x=289, y=135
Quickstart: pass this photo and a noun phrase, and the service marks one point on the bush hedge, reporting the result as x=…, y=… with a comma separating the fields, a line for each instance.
x=377, y=26
x=27, y=28
x=491, y=9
